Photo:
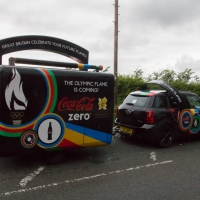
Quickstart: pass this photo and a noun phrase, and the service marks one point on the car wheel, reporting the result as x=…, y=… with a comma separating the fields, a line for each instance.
x=165, y=136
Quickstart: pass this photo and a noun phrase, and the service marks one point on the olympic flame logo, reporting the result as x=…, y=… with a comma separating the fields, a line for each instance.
x=15, y=98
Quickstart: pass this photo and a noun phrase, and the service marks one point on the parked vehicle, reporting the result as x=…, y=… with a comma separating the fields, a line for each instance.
x=159, y=116
x=49, y=107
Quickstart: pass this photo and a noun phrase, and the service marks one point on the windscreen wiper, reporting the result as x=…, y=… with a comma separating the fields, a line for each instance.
x=131, y=104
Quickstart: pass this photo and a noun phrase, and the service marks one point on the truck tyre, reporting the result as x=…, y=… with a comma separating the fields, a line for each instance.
x=53, y=157
x=165, y=135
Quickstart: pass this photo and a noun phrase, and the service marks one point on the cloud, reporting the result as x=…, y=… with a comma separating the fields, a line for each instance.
x=187, y=62
x=154, y=34
x=167, y=13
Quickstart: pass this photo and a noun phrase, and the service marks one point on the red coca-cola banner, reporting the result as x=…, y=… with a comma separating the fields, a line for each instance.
x=84, y=104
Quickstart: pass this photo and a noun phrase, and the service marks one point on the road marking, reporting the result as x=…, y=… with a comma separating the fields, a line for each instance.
x=81, y=179
x=153, y=156
x=28, y=178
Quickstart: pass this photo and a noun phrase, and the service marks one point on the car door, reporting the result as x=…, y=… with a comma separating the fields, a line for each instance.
x=160, y=107
x=194, y=102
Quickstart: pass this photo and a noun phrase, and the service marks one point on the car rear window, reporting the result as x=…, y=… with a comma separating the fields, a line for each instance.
x=136, y=100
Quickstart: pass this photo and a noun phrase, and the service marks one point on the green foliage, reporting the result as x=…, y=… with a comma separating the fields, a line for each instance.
x=127, y=84
x=185, y=76
x=181, y=81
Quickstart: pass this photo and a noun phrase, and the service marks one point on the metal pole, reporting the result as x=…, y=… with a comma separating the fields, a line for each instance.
x=116, y=48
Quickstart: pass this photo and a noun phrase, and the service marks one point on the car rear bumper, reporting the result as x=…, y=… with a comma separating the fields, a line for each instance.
x=144, y=132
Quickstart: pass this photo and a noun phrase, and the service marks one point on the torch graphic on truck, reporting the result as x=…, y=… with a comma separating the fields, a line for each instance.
x=15, y=98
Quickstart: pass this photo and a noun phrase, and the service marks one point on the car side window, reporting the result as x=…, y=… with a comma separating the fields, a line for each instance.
x=194, y=101
x=173, y=102
x=160, y=102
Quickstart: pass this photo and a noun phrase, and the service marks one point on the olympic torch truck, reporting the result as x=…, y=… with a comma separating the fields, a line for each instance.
x=53, y=109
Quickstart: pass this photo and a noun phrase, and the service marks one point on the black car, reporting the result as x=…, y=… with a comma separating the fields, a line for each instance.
x=159, y=116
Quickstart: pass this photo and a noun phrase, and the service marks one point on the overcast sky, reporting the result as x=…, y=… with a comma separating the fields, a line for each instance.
x=154, y=34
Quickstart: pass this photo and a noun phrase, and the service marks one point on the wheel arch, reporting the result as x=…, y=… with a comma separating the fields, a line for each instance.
x=165, y=122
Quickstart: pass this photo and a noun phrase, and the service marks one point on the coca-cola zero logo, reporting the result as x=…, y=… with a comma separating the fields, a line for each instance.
x=78, y=116
x=84, y=104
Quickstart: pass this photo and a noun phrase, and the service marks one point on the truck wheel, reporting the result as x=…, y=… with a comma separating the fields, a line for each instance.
x=53, y=157
x=165, y=136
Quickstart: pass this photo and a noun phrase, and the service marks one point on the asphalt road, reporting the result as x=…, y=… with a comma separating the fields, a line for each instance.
x=122, y=171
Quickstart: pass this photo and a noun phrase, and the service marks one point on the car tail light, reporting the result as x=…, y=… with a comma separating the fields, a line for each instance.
x=117, y=111
x=172, y=110
x=150, y=117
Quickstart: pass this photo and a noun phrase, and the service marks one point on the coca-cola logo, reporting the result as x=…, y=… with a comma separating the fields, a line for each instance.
x=84, y=104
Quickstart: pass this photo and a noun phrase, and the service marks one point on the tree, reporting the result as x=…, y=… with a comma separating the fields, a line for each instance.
x=153, y=76
x=185, y=76
x=182, y=81
x=167, y=75
x=138, y=73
